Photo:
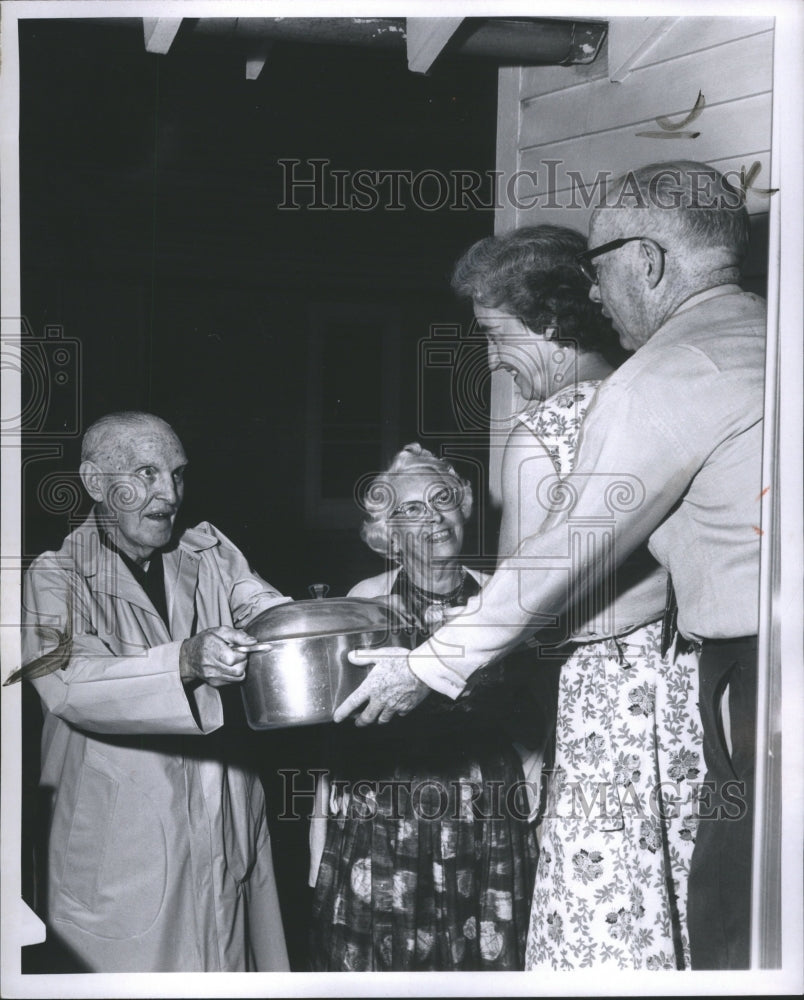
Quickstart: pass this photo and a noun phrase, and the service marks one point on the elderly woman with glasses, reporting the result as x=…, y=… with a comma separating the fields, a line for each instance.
x=617, y=834
x=428, y=859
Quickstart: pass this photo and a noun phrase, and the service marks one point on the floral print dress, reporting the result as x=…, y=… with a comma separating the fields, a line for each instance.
x=618, y=830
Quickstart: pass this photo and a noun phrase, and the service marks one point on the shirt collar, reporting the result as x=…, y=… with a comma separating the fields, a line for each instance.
x=699, y=297
x=91, y=557
x=136, y=568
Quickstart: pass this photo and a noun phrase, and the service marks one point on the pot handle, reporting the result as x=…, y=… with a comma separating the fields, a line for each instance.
x=256, y=647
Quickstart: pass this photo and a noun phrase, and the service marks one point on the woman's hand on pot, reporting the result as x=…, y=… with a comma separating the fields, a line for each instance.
x=390, y=689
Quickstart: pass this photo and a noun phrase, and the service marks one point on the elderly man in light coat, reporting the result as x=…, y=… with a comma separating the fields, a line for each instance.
x=159, y=855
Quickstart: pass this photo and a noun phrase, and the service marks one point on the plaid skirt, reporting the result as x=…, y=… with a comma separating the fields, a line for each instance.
x=428, y=868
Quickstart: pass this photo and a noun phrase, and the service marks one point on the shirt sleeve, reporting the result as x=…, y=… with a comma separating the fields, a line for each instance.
x=631, y=469
x=248, y=593
x=88, y=684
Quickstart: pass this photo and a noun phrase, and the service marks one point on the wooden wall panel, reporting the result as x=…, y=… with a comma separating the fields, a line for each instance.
x=735, y=128
x=695, y=34
x=578, y=116
x=547, y=79
x=740, y=69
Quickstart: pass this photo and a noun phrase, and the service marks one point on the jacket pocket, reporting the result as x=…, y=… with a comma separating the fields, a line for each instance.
x=243, y=814
x=92, y=814
x=115, y=867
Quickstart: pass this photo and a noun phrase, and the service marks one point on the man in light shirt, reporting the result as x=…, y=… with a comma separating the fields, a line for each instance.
x=679, y=425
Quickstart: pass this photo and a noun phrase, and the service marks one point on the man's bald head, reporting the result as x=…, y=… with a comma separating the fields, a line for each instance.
x=667, y=232
x=683, y=202
x=104, y=439
x=132, y=465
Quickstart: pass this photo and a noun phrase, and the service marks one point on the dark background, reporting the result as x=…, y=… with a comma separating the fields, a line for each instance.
x=151, y=235
x=153, y=251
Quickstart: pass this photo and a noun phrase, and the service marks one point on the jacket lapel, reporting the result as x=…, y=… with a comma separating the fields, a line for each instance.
x=108, y=575
x=181, y=580
x=107, y=572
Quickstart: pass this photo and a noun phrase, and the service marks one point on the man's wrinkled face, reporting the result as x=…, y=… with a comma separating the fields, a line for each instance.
x=143, y=486
x=618, y=289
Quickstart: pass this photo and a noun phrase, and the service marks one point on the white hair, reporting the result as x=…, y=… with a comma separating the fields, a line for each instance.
x=378, y=498
x=685, y=199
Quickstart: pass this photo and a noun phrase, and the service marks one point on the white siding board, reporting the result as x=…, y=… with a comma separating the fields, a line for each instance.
x=756, y=199
x=729, y=72
x=696, y=34
x=577, y=218
x=738, y=127
x=508, y=121
x=538, y=80
x=631, y=40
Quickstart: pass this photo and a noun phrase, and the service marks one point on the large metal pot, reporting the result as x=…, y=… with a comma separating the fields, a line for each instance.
x=299, y=672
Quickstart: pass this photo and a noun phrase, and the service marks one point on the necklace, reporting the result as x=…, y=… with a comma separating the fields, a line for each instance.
x=430, y=597
x=432, y=606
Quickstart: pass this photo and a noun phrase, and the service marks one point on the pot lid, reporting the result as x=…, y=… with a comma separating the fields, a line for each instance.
x=324, y=616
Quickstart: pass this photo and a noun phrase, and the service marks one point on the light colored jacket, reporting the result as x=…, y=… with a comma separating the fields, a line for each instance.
x=159, y=856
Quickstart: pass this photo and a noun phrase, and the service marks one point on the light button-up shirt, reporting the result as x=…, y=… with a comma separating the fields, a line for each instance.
x=679, y=426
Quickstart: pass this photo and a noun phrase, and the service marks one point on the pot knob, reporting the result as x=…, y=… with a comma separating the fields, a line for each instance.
x=318, y=590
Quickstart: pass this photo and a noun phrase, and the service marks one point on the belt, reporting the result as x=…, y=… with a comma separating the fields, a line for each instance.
x=670, y=625
x=732, y=639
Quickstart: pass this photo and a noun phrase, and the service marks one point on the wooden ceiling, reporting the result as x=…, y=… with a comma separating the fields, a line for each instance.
x=521, y=41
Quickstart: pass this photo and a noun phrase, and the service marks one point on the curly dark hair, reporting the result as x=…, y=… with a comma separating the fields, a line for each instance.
x=531, y=272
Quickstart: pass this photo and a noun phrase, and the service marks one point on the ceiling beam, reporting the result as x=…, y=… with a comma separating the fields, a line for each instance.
x=255, y=62
x=159, y=33
x=426, y=38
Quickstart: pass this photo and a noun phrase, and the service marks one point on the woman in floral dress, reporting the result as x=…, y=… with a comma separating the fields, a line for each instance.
x=617, y=831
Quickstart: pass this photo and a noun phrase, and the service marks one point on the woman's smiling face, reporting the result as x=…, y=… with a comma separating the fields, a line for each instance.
x=515, y=348
x=425, y=522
